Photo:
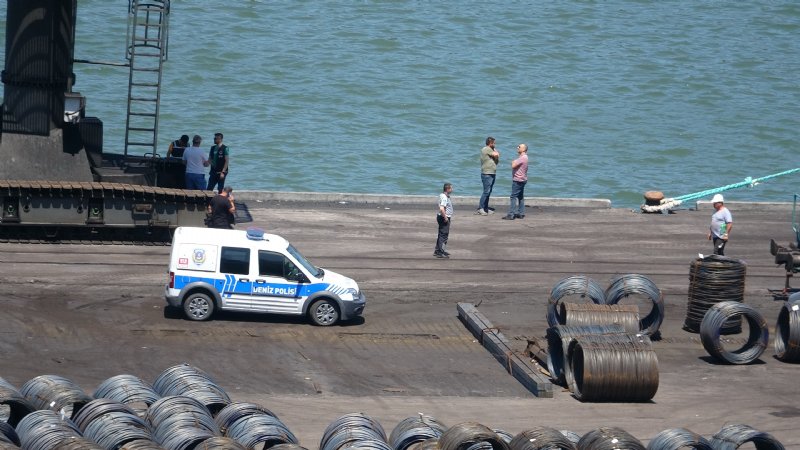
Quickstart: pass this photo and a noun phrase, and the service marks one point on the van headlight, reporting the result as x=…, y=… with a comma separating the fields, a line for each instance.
x=350, y=294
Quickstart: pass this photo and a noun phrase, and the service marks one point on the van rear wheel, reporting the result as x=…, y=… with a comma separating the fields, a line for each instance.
x=198, y=306
x=324, y=313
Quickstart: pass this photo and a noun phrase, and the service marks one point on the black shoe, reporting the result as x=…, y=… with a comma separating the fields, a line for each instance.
x=519, y=216
x=446, y=254
x=441, y=255
x=509, y=217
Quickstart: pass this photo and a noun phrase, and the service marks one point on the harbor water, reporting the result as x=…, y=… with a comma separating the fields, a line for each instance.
x=613, y=98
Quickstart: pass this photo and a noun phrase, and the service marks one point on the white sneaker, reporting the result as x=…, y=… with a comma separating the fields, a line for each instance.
x=480, y=212
x=491, y=211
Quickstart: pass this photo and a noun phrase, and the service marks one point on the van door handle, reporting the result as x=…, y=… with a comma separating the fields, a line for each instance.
x=244, y=280
x=261, y=281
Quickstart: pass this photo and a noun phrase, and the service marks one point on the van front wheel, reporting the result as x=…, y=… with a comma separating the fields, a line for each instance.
x=198, y=306
x=324, y=313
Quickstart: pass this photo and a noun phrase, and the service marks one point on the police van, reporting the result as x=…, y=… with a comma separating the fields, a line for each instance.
x=237, y=270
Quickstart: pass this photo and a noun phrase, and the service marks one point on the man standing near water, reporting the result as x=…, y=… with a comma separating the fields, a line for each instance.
x=721, y=225
x=443, y=218
x=218, y=157
x=519, y=178
x=489, y=159
x=195, y=163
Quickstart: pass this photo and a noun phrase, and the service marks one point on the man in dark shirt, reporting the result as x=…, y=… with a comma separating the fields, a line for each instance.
x=222, y=209
x=218, y=157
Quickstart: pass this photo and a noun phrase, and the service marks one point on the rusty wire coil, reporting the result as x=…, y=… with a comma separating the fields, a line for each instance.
x=541, y=438
x=679, y=438
x=466, y=435
x=97, y=408
x=130, y=390
x=415, y=429
x=8, y=434
x=260, y=430
x=220, y=443
x=621, y=368
x=77, y=443
x=55, y=393
x=787, y=332
x=609, y=438
x=350, y=428
x=190, y=381
x=576, y=285
x=17, y=405
x=731, y=437
x=113, y=429
x=712, y=280
x=585, y=314
x=44, y=429
x=715, y=319
x=141, y=444
x=635, y=284
x=558, y=339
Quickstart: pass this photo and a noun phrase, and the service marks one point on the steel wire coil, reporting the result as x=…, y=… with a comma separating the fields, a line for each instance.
x=368, y=444
x=288, y=447
x=415, y=429
x=466, y=435
x=504, y=435
x=577, y=285
x=541, y=438
x=142, y=444
x=787, y=332
x=183, y=438
x=179, y=422
x=265, y=430
x=558, y=339
x=714, y=279
x=8, y=434
x=714, y=321
x=5, y=445
x=130, y=390
x=235, y=411
x=609, y=438
x=16, y=405
x=731, y=437
x=44, y=429
x=167, y=408
x=359, y=425
x=189, y=381
x=55, y=393
x=587, y=314
x=635, y=284
x=77, y=443
x=621, y=368
x=572, y=436
x=113, y=429
x=97, y=408
x=220, y=443
x=427, y=444
x=677, y=439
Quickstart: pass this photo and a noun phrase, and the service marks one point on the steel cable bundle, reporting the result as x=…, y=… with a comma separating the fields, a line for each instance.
x=97, y=408
x=349, y=428
x=713, y=322
x=621, y=368
x=142, y=444
x=466, y=435
x=609, y=438
x=541, y=438
x=731, y=437
x=787, y=333
x=586, y=314
x=220, y=443
x=18, y=406
x=77, y=443
x=572, y=436
x=189, y=381
x=113, y=429
x=180, y=422
x=8, y=434
x=256, y=429
x=714, y=279
x=55, y=393
x=128, y=389
x=558, y=339
x=415, y=429
x=635, y=284
x=44, y=429
x=235, y=411
x=679, y=438
x=574, y=285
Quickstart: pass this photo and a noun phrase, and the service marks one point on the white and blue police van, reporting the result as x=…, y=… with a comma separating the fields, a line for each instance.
x=252, y=271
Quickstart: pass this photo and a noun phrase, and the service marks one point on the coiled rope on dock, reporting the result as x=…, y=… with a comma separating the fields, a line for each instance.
x=715, y=319
x=714, y=279
x=731, y=437
x=576, y=285
x=634, y=284
x=787, y=332
x=541, y=438
x=679, y=438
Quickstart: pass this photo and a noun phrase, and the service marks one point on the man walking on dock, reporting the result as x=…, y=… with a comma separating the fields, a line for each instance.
x=721, y=225
x=443, y=218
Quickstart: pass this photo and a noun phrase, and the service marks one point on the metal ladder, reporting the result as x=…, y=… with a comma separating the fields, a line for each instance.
x=148, y=31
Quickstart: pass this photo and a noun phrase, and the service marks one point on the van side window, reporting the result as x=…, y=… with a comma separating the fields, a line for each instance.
x=235, y=260
x=270, y=264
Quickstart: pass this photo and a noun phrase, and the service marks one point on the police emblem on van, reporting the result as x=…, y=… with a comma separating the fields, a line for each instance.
x=199, y=256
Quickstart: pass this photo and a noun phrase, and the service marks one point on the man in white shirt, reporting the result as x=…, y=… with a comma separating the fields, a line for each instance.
x=196, y=163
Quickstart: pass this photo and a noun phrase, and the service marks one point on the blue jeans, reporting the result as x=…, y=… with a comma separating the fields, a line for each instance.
x=195, y=181
x=488, y=183
x=517, y=196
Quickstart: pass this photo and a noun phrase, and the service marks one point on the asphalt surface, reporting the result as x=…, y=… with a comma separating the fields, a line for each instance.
x=89, y=312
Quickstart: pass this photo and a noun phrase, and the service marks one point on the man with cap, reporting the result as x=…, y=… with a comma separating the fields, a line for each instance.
x=721, y=225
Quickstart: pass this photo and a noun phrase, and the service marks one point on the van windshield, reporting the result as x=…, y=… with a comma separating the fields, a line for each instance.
x=316, y=271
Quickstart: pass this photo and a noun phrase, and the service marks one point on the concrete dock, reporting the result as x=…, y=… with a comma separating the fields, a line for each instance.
x=89, y=312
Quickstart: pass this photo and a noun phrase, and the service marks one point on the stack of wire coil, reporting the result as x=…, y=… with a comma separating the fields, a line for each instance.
x=572, y=436
x=288, y=447
x=634, y=284
x=787, y=332
x=731, y=437
x=558, y=340
x=471, y=435
x=8, y=434
x=55, y=393
x=714, y=279
x=609, y=438
x=180, y=423
x=111, y=424
x=77, y=443
x=220, y=443
x=587, y=314
x=254, y=427
x=541, y=438
x=612, y=367
x=715, y=320
x=44, y=429
x=356, y=430
x=16, y=405
x=130, y=390
x=414, y=429
x=576, y=285
x=141, y=444
x=236, y=410
x=190, y=381
x=678, y=438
